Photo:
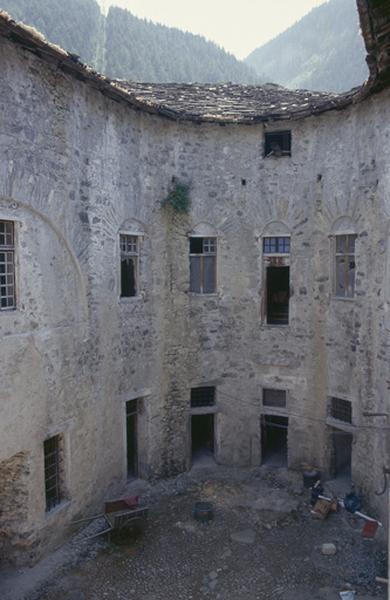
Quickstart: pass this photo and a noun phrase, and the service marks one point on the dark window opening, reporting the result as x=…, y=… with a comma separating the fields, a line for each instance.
x=341, y=410
x=131, y=437
x=129, y=265
x=345, y=266
x=278, y=143
x=278, y=294
x=274, y=398
x=202, y=435
x=341, y=459
x=7, y=266
x=274, y=439
x=202, y=396
x=203, y=265
x=276, y=245
x=52, y=456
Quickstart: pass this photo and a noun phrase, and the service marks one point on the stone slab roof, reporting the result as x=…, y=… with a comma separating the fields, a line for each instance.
x=234, y=103
x=221, y=103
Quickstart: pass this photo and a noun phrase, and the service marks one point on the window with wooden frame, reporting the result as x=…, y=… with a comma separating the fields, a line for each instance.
x=345, y=266
x=7, y=266
x=277, y=143
x=276, y=256
x=53, y=475
x=129, y=250
x=276, y=245
x=203, y=265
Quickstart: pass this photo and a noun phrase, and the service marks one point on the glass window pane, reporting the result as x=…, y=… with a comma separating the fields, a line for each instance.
x=195, y=270
x=128, y=277
x=351, y=244
x=209, y=263
x=196, y=245
x=340, y=276
x=341, y=243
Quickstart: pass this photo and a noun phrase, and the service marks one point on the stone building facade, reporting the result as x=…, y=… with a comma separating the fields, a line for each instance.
x=257, y=322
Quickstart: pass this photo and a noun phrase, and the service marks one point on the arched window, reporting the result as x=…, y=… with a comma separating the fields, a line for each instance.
x=130, y=236
x=203, y=259
x=344, y=238
x=276, y=244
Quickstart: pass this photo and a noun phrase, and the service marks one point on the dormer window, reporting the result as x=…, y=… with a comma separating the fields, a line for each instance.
x=277, y=143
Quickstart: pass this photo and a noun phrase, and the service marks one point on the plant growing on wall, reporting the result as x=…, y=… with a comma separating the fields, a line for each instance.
x=178, y=197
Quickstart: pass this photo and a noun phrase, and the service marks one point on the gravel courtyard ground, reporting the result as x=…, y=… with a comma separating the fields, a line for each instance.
x=263, y=544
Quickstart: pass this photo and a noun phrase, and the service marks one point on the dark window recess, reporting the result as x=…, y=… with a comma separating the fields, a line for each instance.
x=278, y=293
x=274, y=398
x=341, y=410
x=7, y=266
x=276, y=245
x=345, y=266
x=278, y=143
x=202, y=396
x=129, y=265
x=52, y=453
x=131, y=437
x=203, y=265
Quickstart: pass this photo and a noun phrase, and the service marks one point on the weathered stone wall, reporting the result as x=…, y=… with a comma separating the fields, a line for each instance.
x=76, y=168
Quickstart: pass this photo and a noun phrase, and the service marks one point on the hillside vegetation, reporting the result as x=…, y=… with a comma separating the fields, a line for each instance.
x=324, y=51
x=124, y=46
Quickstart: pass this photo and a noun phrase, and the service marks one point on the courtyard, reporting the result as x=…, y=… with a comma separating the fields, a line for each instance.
x=263, y=543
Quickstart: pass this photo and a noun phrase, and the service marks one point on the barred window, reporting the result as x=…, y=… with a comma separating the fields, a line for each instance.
x=276, y=245
x=341, y=410
x=274, y=398
x=345, y=266
x=202, y=396
x=7, y=265
x=129, y=246
x=52, y=471
x=203, y=265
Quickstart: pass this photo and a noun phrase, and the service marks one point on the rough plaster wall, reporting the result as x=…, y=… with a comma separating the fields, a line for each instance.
x=74, y=169
x=16, y=539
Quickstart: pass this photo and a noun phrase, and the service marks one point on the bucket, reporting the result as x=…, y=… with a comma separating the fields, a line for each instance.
x=311, y=477
x=203, y=511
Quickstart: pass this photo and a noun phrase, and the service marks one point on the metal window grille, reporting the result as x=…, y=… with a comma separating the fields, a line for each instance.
x=275, y=398
x=7, y=265
x=202, y=396
x=278, y=143
x=52, y=472
x=341, y=410
x=129, y=265
x=345, y=266
x=276, y=245
x=203, y=265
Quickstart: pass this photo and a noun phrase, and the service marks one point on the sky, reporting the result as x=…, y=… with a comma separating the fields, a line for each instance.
x=239, y=26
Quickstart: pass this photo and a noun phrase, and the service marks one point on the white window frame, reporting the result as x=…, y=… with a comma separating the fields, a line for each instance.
x=337, y=254
x=207, y=253
x=132, y=254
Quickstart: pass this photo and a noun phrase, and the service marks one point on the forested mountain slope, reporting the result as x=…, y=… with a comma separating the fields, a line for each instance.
x=124, y=46
x=324, y=51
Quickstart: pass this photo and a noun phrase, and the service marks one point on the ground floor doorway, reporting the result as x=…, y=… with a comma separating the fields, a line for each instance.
x=274, y=434
x=341, y=453
x=202, y=436
x=131, y=438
